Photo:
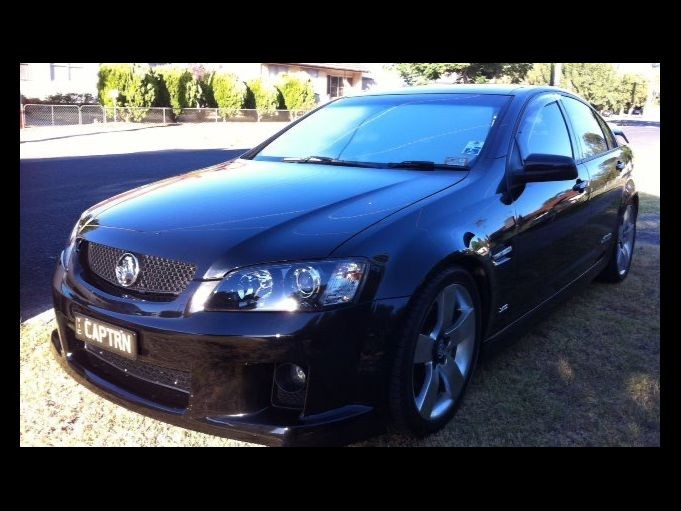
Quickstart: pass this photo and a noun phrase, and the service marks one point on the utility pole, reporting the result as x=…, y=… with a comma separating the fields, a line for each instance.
x=651, y=92
x=633, y=98
x=555, y=74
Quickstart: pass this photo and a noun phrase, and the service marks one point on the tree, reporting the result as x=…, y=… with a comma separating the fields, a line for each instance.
x=420, y=73
x=632, y=92
x=229, y=92
x=539, y=74
x=597, y=83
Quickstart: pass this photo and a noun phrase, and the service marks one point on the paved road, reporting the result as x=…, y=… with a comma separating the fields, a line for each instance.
x=54, y=192
x=644, y=137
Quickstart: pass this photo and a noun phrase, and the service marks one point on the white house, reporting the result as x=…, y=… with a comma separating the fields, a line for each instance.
x=42, y=79
x=328, y=80
x=39, y=80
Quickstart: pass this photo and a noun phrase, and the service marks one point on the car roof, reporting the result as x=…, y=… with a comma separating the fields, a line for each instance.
x=505, y=89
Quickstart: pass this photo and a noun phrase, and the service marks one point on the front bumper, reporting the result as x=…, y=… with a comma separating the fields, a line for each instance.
x=229, y=360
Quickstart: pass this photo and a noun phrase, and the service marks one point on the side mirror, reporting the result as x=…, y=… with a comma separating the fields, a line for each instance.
x=546, y=167
x=619, y=133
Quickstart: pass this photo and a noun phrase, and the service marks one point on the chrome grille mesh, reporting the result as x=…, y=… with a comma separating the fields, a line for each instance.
x=157, y=274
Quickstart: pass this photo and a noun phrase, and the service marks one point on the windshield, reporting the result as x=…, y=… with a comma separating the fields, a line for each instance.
x=445, y=129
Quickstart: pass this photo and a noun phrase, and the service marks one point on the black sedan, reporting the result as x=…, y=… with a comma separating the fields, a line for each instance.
x=345, y=273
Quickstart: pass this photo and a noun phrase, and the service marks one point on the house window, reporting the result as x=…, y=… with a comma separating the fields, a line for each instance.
x=23, y=72
x=275, y=70
x=64, y=72
x=334, y=86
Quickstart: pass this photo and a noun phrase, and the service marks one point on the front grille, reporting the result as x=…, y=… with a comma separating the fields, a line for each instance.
x=171, y=378
x=157, y=274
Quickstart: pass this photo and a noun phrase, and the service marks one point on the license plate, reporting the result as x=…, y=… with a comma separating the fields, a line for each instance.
x=99, y=334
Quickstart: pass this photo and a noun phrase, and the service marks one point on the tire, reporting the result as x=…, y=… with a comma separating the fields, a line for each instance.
x=436, y=353
x=617, y=269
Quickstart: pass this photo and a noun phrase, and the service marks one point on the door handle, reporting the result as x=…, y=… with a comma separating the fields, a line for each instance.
x=580, y=186
x=620, y=166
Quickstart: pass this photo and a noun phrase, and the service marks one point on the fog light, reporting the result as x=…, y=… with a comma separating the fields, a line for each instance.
x=290, y=377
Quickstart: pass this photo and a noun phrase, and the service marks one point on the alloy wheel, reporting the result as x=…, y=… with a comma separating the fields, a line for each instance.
x=444, y=352
x=625, y=239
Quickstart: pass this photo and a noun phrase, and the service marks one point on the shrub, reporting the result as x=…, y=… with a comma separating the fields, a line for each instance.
x=298, y=94
x=143, y=90
x=264, y=97
x=174, y=83
x=194, y=93
x=113, y=77
x=229, y=93
x=70, y=98
x=65, y=98
x=206, y=82
x=137, y=84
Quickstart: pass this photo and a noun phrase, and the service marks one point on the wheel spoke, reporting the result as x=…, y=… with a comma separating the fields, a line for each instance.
x=620, y=257
x=627, y=233
x=464, y=327
x=446, y=303
x=623, y=256
x=429, y=392
x=424, y=349
x=452, y=377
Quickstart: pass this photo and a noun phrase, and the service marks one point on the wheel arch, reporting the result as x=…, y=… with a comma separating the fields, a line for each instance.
x=482, y=277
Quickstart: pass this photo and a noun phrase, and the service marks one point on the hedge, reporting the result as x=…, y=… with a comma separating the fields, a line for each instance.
x=298, y=94
x=264, y=97
x=229, y=93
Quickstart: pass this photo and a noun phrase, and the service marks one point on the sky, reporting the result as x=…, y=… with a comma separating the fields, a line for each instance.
x=634, y=68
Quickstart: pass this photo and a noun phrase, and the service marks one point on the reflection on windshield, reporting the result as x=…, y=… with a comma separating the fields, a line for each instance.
x=442, y=129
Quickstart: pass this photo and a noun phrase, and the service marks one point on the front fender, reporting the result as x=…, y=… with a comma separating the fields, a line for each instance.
x=458, y=225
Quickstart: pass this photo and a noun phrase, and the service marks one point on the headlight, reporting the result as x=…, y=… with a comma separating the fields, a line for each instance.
x=66, y=253
x=80, y=225
x=74, y=232
x=304, y=286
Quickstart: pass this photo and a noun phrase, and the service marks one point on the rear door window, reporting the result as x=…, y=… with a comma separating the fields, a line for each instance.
x=609, y=137
x=587, y=129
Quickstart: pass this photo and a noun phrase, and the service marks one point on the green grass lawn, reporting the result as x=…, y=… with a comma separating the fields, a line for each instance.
x=587, y=375
x=648, y=204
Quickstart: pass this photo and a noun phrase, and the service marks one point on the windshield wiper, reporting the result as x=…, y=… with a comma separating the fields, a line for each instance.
x=422, y=165
x=306, y=159
x=325, y=160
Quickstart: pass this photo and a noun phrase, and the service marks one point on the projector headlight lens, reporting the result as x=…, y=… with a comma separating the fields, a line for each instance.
x=305, y=286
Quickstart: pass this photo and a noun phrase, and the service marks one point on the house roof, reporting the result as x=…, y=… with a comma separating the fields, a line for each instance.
x=341, y=67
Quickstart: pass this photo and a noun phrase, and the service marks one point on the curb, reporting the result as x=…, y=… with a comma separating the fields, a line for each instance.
x=43, y=317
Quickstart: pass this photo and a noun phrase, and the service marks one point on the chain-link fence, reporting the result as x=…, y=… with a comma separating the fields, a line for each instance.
x=65, y=115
